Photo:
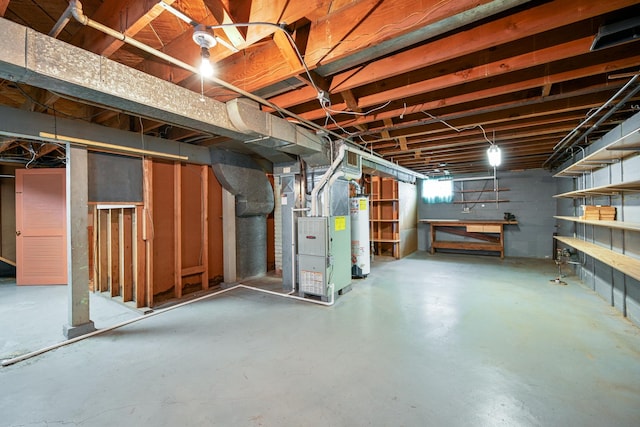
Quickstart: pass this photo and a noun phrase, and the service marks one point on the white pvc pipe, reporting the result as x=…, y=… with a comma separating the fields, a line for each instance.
x=324, y=179
x=8, y=362
x=380, y=161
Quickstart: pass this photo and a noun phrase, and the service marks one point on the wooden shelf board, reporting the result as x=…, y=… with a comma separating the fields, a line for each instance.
x=611, y=153
x=386, y=240
x=621, y=262
x=623, y=225
x=384, y=200
x=384, y=220
x=481, y=191
x=470, y=202
x=603, y=190
x=476, y=246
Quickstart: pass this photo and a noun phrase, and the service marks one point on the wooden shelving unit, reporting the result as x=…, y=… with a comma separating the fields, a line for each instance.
x=462, y=200
x=384, y=216
x=623, y=263
x=622, y=225
x=624, y=146
x=603, y=190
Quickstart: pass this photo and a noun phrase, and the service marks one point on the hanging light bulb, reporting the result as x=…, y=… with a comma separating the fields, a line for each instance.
x=495, y=156
x=206, y=69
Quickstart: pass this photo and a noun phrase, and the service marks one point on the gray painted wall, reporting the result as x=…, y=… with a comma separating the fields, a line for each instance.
x=530, y=198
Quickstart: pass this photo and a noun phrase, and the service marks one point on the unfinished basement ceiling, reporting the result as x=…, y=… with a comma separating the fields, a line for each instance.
x=392, y=71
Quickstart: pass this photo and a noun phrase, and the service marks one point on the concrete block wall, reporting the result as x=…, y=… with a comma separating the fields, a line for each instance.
x=530, y=199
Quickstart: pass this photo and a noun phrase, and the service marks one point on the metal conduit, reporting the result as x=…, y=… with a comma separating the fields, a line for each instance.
x=573, y=135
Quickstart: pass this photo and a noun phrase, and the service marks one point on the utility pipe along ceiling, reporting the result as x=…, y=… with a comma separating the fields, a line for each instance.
x=427, y=85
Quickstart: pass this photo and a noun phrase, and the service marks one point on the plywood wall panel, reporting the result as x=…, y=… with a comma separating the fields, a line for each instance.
x=191, y=202
x=162, y=229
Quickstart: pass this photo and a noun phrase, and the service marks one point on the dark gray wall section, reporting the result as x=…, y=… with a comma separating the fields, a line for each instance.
x=114, y=178
x=530, y=198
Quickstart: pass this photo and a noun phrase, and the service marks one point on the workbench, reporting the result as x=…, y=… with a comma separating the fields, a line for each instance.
x=487, y=234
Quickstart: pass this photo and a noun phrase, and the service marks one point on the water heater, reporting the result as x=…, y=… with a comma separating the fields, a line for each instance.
x=360, y=259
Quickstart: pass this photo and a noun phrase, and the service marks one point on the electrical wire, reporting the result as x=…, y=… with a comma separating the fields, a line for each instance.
x=484, y=133
x=356, y=113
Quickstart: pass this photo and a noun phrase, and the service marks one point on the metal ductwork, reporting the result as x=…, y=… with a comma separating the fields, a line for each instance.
x=39, y=60
x=267, y=130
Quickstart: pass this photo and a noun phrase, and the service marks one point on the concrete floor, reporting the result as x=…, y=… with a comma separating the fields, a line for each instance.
x=32, y=317
x=424, y=341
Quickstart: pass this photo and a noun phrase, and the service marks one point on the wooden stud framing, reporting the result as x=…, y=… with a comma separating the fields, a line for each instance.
x=147, y=228
x=138, y=255
x=113, y=234
x=102, y=264
x=126, y=251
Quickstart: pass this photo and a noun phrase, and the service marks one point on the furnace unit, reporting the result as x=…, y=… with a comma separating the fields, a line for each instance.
x=324, y=255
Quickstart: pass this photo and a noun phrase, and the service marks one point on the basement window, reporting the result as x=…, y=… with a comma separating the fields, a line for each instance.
x=437, y=190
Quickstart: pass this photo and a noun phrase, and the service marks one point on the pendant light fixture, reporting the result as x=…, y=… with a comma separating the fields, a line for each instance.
x=204, y=38
x=495, y=155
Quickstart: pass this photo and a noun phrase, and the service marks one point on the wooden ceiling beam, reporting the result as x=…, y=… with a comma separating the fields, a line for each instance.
x=221, y=12
x=287, y=50
x=497, y=124
x=493, y=69
x=532, y=144
x=493, y=91
x=5, y=145
x=453, y=147
x=368, y=22
x=513, y=27
x=3, y=6
x=277, y=12
x=343, y=32
x=488, y=71
x=126, y=16
x=574, y=103
x=506, y=128
x=46, y=149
